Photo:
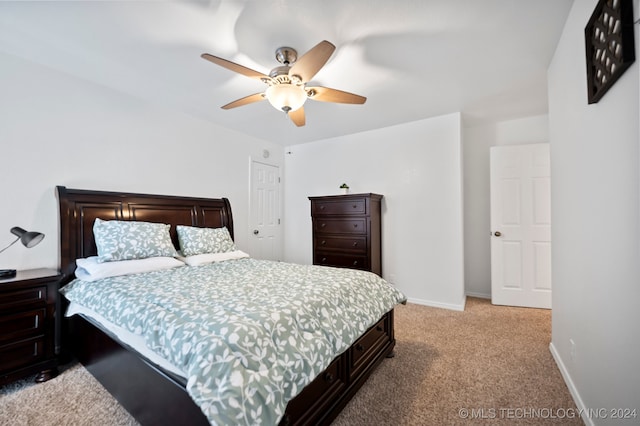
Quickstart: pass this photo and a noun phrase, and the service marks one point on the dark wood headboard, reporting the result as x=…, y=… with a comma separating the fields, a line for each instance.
x=79, y=209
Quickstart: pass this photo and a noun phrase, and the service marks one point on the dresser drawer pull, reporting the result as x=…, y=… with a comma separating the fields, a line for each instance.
x=323, y=242
x=322, y=225
x=321, y=207
x=355, y=263
x=324, y=259
x=379, y=328
x=359, y=347
x=328, y=377
x=355, y=244
x=355, y=225
x=355, y=206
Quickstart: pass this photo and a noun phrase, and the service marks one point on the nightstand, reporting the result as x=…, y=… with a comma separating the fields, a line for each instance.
x=28, y=325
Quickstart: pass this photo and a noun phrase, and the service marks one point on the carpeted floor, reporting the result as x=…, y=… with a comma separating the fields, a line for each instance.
x=486, y=365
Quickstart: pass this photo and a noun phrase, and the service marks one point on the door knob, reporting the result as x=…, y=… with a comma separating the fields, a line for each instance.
x=256, y=232
x=497, y=233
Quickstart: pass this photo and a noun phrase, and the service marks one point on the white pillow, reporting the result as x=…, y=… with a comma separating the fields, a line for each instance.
x=201, y=259
x=91, y=269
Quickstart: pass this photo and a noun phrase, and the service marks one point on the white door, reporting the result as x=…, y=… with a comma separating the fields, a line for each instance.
x=264, y=237
x=521, y=226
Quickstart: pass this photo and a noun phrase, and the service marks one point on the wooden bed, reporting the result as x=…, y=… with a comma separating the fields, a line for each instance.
x=151, y=395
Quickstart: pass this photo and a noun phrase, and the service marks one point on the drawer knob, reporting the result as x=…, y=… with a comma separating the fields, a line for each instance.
x=321, y=207
x=355, y=225
x=324, y=259
x=359, y=347
x=355, y=262
x=355, y=206
x=379, y=328
x=355, y=244
x=328, y=377
x=322, y=225
x=323, y=242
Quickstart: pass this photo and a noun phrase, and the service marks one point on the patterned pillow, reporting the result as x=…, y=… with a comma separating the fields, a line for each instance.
x=125, y=240
x=195, y=240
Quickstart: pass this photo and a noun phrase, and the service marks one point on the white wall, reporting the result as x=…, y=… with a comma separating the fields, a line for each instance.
x=59, y=130
x=595, y=183
x=476, y=143
x=417, y=167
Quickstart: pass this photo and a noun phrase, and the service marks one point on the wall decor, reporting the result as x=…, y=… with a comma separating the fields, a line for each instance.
x=609, y=45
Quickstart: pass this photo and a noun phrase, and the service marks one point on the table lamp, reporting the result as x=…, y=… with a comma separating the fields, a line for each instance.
x=28, y=239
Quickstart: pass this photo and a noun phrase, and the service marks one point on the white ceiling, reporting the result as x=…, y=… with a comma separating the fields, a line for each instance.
x=412, y=59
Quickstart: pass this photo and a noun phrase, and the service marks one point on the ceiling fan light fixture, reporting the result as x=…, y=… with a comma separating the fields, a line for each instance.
x=286, y=97
x=286, y=84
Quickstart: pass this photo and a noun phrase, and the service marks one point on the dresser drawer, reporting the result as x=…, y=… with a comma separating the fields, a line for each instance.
x=21, y=353
x=340, y=226
x=22, y=324
x=367, y=346
x=31, y=296
x=353, y=244
x=354, y=206
x=341, y=260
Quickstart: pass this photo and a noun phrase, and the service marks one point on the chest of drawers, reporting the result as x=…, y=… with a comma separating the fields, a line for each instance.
x=347, y=231
x=27, y=325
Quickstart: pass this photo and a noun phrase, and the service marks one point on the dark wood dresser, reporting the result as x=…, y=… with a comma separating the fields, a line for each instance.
x=346, y=231
x=28, y=325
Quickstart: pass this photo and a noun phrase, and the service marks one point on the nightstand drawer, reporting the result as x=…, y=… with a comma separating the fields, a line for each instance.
x=21, y=353
x=341, y=226
x=353, y=244
x=22, y=324
x=341, y=261
x=30, y=296
x=357, y=206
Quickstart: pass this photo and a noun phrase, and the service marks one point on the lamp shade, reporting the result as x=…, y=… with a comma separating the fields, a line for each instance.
x=27, y=238
x=286, y=97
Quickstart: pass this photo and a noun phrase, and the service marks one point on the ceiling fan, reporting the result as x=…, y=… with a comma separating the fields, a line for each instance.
x=287, y=90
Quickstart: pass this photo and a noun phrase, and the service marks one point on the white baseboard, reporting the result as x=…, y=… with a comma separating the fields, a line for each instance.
x=572, y=387
x=450, y=306
x=479, y=295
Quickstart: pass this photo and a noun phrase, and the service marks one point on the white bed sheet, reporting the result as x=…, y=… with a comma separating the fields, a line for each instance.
x=134, y=341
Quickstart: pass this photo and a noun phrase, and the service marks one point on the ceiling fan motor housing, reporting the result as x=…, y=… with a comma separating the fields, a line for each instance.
x=286, y=55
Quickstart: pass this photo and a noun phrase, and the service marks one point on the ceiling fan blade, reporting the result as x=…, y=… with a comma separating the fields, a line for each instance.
x=297, y=117
x=256, y=97
x=325, y=94
x=310, y=63
x=235, y=67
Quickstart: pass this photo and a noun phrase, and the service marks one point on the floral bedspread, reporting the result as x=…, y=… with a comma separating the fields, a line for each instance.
x=250, y=334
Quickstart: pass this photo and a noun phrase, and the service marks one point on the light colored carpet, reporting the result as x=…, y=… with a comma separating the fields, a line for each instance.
x=486, y=365
x=74, y=398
